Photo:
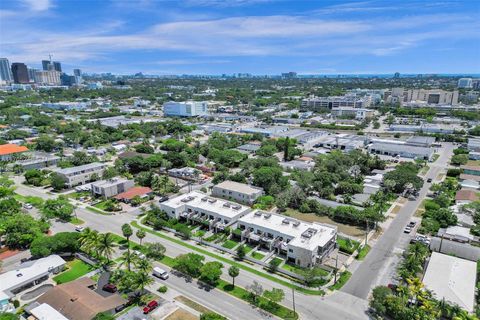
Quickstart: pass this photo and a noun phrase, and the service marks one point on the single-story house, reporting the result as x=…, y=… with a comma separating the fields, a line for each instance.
x=465, y=196
x=128, y=195
x=9, y=151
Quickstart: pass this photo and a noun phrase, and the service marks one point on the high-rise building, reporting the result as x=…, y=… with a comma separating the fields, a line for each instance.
x=20, y=72
x=289, y=75
x=5, y=71
x=464, y=83
x=77, y=72
x=46, y=65
x=32, y=75
x=433, y=96
x=50, y=77
x=57, y=66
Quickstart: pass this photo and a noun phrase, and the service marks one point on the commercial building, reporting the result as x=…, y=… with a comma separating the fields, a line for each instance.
x=401, y=150
x=305, y=244
x=452, y=279
x=111, y=187
x=185, y=109
x=5, y=71
x=267, y=131
x=464, y=83
x=198, y=207
x=77, y=300
x=236, y=191
x=426, y=127
x=29, y=274
x=351, y=112
x=319, y=103
x=341, y=141
x=434, y=96
x=9, y=151
x=81, y=174
x=20, y=72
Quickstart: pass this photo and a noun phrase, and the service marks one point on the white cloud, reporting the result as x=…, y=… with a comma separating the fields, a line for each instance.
x=38, y=5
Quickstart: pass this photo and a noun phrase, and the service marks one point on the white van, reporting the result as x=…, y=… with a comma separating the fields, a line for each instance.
x=160, y=273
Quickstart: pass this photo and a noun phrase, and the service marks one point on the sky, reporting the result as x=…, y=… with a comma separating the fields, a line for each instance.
x=247, y=36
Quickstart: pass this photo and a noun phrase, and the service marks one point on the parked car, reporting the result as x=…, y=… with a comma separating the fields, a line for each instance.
x=139, y=254
x=407, y=229
x=163, y=199
x=150, y=307
x=27, y=206
x=429, y=180
x=412, y=224
x=160, y=273
x=110, y=287
x=79, y=228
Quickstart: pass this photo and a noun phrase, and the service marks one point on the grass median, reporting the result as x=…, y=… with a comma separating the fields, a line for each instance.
x=230, y=262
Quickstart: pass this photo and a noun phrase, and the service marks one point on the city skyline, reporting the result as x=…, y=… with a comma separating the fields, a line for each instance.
x=251, y=36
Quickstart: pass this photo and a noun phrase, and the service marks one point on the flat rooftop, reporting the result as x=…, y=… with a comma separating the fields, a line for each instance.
x=93, y=165
x=291, y=228
x=452, y=278
x=109, y=182
x=238, y=187
x=204, y=202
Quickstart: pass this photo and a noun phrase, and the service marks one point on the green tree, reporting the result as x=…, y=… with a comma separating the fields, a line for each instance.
x=211, y=272
x=59, y=208
x=45, y=143
x=155, y=250
x=103, y=316
x=241, y=251
x=274, y=296
x=256, y=290
x=211, y=316
x=233, y=272
x=106, y=246
x=57, y=181
x=189, y=264
x=127, y=233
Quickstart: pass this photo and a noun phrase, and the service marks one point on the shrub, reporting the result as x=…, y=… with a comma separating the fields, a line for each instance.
x=163, y=289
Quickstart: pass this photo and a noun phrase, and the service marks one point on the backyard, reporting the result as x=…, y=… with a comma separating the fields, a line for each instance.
x=76, y=269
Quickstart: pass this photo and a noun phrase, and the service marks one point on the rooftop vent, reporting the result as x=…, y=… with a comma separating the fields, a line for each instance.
x=212, y=200
x=296, y=223
x=226, y=205
x=204, y=198
x=258, y=214
x=285, y=221
x=236, y=207
x=267, y=215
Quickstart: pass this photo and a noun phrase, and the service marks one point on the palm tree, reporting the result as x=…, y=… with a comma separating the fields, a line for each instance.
x=127, y=233
x=89, y=241
x=233, y=272
x=140, y=235
x=106, y=245
x=143, y=265
x=142, y=279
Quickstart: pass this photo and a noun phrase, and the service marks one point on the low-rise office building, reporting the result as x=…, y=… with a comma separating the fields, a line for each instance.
x=357, y=113
x=111, y=187
x=81, y=174
x=198, y=207
x=305, y=244
x=351, y=100
x=401, y=150
x=236, y=191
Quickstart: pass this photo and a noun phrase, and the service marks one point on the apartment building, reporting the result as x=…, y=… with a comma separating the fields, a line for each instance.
x=318, y=103
x=305, y=244
x=235, y=191
x=185, y=109
x=111, y=187
x=198, y=207
x=81, y=174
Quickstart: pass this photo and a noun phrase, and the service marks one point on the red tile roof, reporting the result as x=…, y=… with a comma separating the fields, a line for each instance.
x=10, y=148
x=132, y=192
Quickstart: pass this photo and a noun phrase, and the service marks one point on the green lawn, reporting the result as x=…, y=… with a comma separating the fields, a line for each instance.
x=363, y=252
x=229, y=244
x=37, y=202
x=76, y=221
x=347, y=245
x=93, y=209
x=341, y=281
x=248, y=248
x=257, y=255
x=76, y=269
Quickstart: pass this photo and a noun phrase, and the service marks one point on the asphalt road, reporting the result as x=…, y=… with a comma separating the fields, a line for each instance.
x=365, y=277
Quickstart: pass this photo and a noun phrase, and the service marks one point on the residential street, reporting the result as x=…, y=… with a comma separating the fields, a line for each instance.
x=365, y=277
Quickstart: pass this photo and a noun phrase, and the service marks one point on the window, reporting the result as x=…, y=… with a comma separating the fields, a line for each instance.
x=290, y=250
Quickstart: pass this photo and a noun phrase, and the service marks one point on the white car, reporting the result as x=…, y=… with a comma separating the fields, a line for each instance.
x=160, y=273
x=79, y=228
x=27, y=206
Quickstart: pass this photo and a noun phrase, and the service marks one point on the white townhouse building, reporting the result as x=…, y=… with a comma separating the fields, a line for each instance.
x=81, y=174
x=197, y=206
x=305, y=244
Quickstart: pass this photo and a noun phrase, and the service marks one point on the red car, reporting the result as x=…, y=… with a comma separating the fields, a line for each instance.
x=150, y=307
x=109, y=287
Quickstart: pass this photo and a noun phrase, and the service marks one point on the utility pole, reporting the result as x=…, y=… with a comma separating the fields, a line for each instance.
x=336, y=268
x=366, y=232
